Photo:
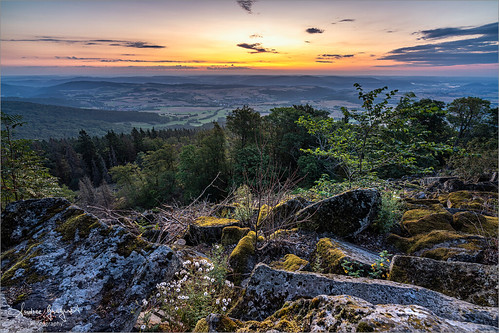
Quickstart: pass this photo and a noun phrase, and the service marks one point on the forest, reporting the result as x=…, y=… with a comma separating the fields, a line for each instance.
x=147, y=168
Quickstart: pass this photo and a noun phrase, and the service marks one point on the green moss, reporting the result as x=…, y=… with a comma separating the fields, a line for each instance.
x=471, y=200
x=201, y=326
x=364, y=327
x=239, y=257
x=21, y=298
x=208, y=221
x=226, y=324
x=329, y=256
x=436, y=221
x=287, y=326
x=233, y=234
x=432, y=238
x=290, y=262
x=263, y=213
x=440, y=253
x=83, y=223
x=475, y=223
x=132, y=243
x=24, y=263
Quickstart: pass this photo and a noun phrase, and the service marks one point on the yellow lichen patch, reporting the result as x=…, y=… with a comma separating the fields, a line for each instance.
x=329, y=256
x=233, y=234
x=441, y=253
x=432, y=238
x=475, y=223
x=201, y=326
x=263, y=213
x=436, y=221
x=290, y=262
x=207, y=221
x=238, y=259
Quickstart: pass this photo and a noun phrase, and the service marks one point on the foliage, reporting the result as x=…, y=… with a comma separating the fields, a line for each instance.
x=23, y=175
x=474, y=161
x=465, y=114
x=350, y=270
x=243, y=199
x=199, y=289
x=325, y=187
x=391, y=211
x=379, y=269
x=245, y=124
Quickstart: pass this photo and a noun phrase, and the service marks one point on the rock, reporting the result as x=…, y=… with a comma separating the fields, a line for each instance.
x=242, y=258
x=268, y=289
x=475, y=201
x=475, y=223
x=453, y=185
x=207, y=230
x=344, y=215
x=92, y=277
x=14, y=321
x=443, y=245
x=282, y=214
x=470, y=282
x=291, y=263
x=430, y=180
x=344, y=313
x=217, y=323
x=421, y=221
x=330, y=254
x=233, y=234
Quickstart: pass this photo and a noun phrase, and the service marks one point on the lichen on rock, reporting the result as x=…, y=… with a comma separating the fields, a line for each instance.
x=290, y=262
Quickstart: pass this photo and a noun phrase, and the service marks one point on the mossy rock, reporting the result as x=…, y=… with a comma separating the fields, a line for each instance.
x=421, y=203
x=427, y=223
x=207, y=230
x=217, y=323
x=233, y=234
x=290, y=262
x=78, y=225
x=476, y=224
x=330, y=254
x=240, y=259
x=476, y=201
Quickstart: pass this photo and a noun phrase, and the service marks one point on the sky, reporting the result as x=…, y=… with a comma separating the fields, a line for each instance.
x=326, y=37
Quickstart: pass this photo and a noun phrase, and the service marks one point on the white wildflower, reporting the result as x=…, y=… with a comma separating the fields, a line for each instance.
x=176, y=308
x=228, y=300
x=224, y=308
x=212, y=280
x=217, y=301
x=205, y=293
x=144, y=302
x=143, y=327
x=200, y=270
x=158, y=295
x=196, y=264
x=177, y=290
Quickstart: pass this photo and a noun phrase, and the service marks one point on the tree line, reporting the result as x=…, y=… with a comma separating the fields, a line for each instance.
x=144, y=169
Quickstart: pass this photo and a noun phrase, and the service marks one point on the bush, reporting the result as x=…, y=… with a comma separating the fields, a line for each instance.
x=391, y=211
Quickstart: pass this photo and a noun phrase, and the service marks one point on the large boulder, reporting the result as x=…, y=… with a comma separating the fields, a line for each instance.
x=345, y=214
x=470, y=282
x=342, y=313
x=268, y=289
x=330, y=254
x=91, y=276
x=207, y=230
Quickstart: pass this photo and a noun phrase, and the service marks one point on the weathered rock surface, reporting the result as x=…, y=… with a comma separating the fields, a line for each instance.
x=343, y=313
x=344, y=215
x=330, y=254
x=208, y=230
x=91, y=276
x=13, y=321
x=470, y=282
x=268, y=289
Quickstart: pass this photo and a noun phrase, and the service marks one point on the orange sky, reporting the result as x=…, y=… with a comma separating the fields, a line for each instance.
x=314, y=37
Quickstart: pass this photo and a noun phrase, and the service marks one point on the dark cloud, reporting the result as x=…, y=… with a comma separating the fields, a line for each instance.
x=479, y=50
x=246, y=5
x=324, y=61
x=129, y=60
x=344, y=20
x=90, y=42
x=314, y=31
x=226, y=67
x=256, y=36
x=333, y=56
x=256, y=47
x=307, y=41
x=490, y=29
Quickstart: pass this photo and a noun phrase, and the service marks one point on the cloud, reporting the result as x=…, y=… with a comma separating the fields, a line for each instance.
x=344, y=20
x=246, y=5
x=90, y=42
x=256, y=47
x=333, y=56
x=112, y=60
x=314, y=31
x=324, y=61
x=307, y=41
x=479, y=50
x=226, y=67
x=484, y=30
x=256, y=36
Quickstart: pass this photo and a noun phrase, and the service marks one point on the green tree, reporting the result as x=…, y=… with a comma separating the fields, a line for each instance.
x=23, y=175
x=245, y=124
x=465, y=114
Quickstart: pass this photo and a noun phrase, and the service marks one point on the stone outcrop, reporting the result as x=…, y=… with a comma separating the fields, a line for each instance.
x=14, y=321
x=345, y=214
x=90, y=276
x=342, y=313
x=208, y=230
x=268, y=289
x=470, y=282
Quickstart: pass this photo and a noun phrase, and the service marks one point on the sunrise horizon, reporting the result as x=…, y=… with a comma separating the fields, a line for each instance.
x=408, y=38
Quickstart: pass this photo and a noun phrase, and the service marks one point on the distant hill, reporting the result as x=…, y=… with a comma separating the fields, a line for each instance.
x=51, y=121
